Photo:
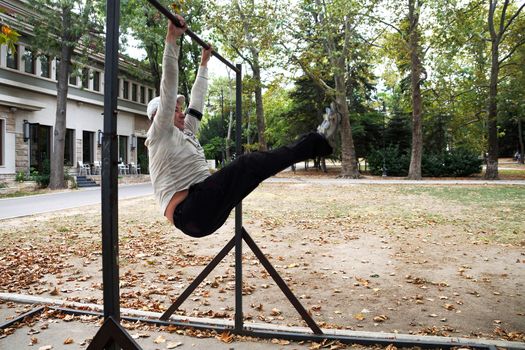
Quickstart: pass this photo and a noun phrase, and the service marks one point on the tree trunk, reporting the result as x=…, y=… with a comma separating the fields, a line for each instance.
x=491, y=172
x=259, y=111
x=348, y=157
x=414, y=172
x=154, y=67
x=56, y=179
x=520, y=136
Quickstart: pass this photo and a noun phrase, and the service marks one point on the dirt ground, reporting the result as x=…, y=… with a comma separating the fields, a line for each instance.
x=395, y=258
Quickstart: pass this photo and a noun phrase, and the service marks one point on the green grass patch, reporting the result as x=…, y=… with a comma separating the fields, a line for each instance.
x=490, y=196
x=512, y=173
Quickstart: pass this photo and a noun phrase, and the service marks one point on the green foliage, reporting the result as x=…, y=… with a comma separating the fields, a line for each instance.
x=142, y=22
x=214, y=148
x=8, y=36
x=396, y=161
x=462, y=162
x=456, y=163
x=20, y=176
x=143, y=161
x=42, y=178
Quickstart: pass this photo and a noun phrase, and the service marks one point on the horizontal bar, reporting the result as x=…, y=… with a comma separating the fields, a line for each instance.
x=191, y=34
x=21, y=317
x=275, y=331
x=297, y=336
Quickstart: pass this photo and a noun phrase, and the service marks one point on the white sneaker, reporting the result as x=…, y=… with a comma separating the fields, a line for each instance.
x=330, y=124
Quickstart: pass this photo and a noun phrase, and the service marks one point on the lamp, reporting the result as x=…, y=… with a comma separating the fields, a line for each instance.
x=133, y=141
x=26, y=130
x=100, y=135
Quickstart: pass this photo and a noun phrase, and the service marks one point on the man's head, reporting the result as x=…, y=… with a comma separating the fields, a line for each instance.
x=178, y=118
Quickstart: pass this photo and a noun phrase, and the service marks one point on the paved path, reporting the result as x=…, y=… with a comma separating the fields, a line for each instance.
x=29, y=205
x=43, y=203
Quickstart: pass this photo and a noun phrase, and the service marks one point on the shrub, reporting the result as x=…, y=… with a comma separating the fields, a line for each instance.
x=462, y=162
x=42, y=178
x=396, y=161
x=20, y=176
x=458, y=162
x=143, y=161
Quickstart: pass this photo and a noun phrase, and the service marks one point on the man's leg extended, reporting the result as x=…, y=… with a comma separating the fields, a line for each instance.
x=210, y=202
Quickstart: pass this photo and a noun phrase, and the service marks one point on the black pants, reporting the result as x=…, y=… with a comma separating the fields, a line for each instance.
x=210, y=202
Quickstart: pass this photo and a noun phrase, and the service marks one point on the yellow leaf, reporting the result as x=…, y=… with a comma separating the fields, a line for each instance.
x=359, y=316
x=68, y=340
x=159, y=339
x=225, y=337
x=380, y=318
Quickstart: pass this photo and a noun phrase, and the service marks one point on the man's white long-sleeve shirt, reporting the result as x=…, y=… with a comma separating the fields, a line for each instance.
x=176, y=159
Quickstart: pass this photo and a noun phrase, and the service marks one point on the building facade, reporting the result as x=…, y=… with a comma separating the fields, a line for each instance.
x=28, y=98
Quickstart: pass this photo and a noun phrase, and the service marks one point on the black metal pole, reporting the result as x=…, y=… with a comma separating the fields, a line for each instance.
x=110, y=269
x=238, y=208
x=191, y=34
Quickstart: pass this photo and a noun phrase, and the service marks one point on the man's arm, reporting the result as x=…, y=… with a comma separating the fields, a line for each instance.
x=170, y=76
x=198, y=94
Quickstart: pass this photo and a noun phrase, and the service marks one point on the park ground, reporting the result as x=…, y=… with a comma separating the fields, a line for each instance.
x=443, y=260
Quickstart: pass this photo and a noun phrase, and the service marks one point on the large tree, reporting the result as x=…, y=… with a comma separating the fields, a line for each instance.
x=60, y=29
x=329, y=44
x=249, y=29
x=500, y=20
x=405, y=46
x=142, y=22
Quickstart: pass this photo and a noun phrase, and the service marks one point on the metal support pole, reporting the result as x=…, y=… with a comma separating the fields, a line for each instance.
x=238, y=208
x=110, y=270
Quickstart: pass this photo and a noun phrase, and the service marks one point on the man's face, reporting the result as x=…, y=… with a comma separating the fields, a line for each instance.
x=178, y=118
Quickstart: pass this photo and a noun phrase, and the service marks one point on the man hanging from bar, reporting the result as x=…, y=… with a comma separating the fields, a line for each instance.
x=195, y=201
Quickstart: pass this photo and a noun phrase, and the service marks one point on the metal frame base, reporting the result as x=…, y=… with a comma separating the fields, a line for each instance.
x=264, y=331
x=267, y=265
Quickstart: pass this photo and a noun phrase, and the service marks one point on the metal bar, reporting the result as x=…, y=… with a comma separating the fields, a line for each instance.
x=238, y=208
x=191, y=34
x=198, y=280
x=432, y=343
x=280, y=282
x=21, y=317
x=110, y=268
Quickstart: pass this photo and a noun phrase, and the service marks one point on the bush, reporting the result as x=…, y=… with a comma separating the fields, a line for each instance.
x=458, y=162
x=42, y=179
x=396, y=162
x=20, y=176
x=462, y=162
x=144, y=163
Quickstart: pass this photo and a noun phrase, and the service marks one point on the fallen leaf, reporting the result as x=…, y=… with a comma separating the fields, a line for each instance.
x=159, y=339
x=225, y=337
x=46, y=347
x=380, y=318
x=68, y=340
x=173, y=345
x=359, y=316
x=275, y=312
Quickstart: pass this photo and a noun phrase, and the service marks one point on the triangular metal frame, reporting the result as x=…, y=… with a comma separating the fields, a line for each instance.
x=111, y=334
x=267, y=265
